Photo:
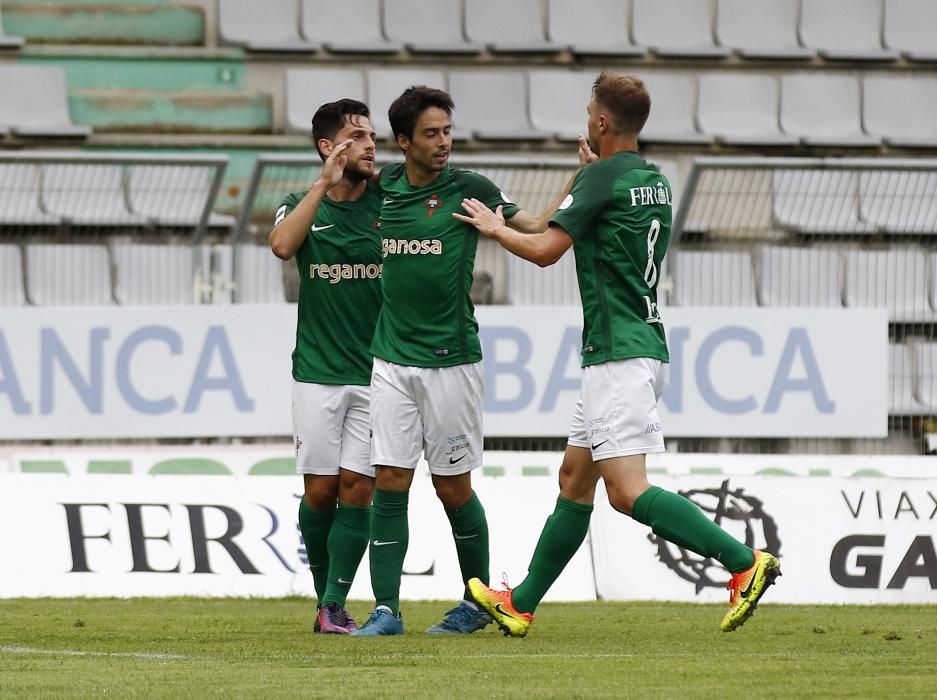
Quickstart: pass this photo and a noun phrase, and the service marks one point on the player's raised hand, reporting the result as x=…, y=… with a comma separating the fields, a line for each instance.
x=586, y=155
x=334, y=166
x=480, y=216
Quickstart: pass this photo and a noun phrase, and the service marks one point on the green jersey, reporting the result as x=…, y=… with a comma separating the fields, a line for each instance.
x=339, y=289
x=428, y=319
x=619, y=214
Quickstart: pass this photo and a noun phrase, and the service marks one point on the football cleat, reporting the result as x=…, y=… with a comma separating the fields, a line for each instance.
x=330, y=620
x=350, y=623
x=498, y=604
x=382, y=622
x=747, y=587
x=462, y=619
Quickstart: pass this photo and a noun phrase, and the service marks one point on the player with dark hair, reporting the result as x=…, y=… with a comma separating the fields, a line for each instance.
x=617, y=219
x=427, y=386
x=333, y=231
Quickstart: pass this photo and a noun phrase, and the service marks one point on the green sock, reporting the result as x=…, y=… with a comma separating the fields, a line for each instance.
x=680, y=521
x=315, y=527
x=470, y=531
x=348, y=540
x=390, y=536
x=564, y=531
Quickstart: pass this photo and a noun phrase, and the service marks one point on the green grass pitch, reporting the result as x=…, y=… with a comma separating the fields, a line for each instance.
x=186, y=647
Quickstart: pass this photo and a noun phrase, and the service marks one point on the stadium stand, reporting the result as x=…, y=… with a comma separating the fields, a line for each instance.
x=68, y=274
x=475, y=91
x=274, y=29
x=20, y=196
x=900, y=109
x=844, y=30
x=818, y=202
x=35, y=102
x=565, y=119
x=712, y=278
x=7, y=41
x=894, y=278
x=675, y=28
x=761, y=29
x=824, y=110
x=673, y=119
x=897, y=202
x=307, y=88
x=326, y=22
x=158, y=273
x=385, y=84
x=574, y=24
x=741, y=109
x=910, y=27
x=508, y=27
x=901, y=385
x=12, y=289
x=809, y=276
x=434, y=27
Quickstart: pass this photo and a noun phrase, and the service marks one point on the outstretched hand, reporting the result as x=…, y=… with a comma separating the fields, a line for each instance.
x=334, y=166
x=586, y=155
x=481, y=217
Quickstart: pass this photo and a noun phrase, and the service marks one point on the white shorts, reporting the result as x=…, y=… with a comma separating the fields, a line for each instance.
x=331, y=428
x=616, y=414
x=436, y=411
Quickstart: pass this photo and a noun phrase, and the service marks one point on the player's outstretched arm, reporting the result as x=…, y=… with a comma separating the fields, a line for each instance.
x=543, y=248
x=289, y=233
x=525, y=222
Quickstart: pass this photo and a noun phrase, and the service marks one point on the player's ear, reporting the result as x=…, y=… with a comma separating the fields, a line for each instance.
x=325, y=146
x=403, y=142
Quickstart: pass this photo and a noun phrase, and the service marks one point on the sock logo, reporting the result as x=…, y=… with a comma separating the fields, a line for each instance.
x=379, y=543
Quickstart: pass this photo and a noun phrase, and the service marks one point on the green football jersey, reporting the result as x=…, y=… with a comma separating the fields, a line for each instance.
x=428, y=319
x=619, y=213
x=339, y=289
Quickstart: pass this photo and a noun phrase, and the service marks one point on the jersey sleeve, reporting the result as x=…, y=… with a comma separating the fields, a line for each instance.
x=481, y=188
x=286, y=206
x=590, y=193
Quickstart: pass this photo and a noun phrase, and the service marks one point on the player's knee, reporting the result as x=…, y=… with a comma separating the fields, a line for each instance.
x=621, y=499
x=453, y=494
x=356, y=490
x=321, y=498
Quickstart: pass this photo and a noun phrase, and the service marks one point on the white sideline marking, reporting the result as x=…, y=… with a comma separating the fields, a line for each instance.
x=6, y=649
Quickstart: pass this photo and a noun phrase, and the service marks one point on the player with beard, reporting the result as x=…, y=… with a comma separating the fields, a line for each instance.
x=333, y=231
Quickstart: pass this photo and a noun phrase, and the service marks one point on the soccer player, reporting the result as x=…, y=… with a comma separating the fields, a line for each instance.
x=333, y=232
x=617, y=219
x=426, y=387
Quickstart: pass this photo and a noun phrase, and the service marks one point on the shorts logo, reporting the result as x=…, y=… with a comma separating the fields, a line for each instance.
x=453, y=461
x=652, y=428
x=432, y=204
x=595, y=447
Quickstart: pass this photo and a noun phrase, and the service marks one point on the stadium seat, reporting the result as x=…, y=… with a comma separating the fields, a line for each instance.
x=896, y=279
x=799, y=276
x=741, y=109
x=35, y=102
x=275, y=28
x=902, y=381
x=173, y=195
x=899, y=201
x=574, y=24
x=474, y=92
x=844, y=30
x=673, y=110
x=712, y=278
x=12, y=291
x=7, y=41
x=74, y=274
x=157, y=273
x=508, y=27
x=824, y=110
x=817, y=202
x=308, y=88
x=675, y=28
x=326, y=22
x=88, y=195
x=556, y=285
x=910, y=27
x=901, y=109
x=386, y=84
x=565, y=118
x=758, y=29
x=20, y=197
x=925, y=375
x=258, y=275
x=428, y=27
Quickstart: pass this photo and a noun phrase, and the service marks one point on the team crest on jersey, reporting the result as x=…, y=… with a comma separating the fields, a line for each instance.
x=376, y=225
x=432, y=204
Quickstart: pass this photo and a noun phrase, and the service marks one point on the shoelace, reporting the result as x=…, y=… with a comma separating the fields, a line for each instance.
x=504, y=581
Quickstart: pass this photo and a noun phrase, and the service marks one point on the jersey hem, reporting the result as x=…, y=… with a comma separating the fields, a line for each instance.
x=333, y=382
x=663, y=357
x=436, y=365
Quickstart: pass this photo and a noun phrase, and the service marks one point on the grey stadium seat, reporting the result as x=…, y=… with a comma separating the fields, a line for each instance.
x=712, y=278
x=428, y=27
x=474, y=92
x=800, y=276
x=386, y=84
x=910, y=27
x=901, y=110
x=901, y=381
x=565, y=118
x=817, y=202
x=157, y=273
x=573, y=23
x=328, y=23
x=35, y=102
x=675, y=28
x=173, y=195
x=274, y=27
x=20, y=196
x=899, y=201
x=308, y=88
x=673, y=110
x=12, y=291
x=741, y=109
x=847, y=30
x=508, y=27
x=88, y=195
x=823, y=109
x=74, y=274
x=258, y=275
x=925, y=375
x=895, y=279
x=761, y=28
